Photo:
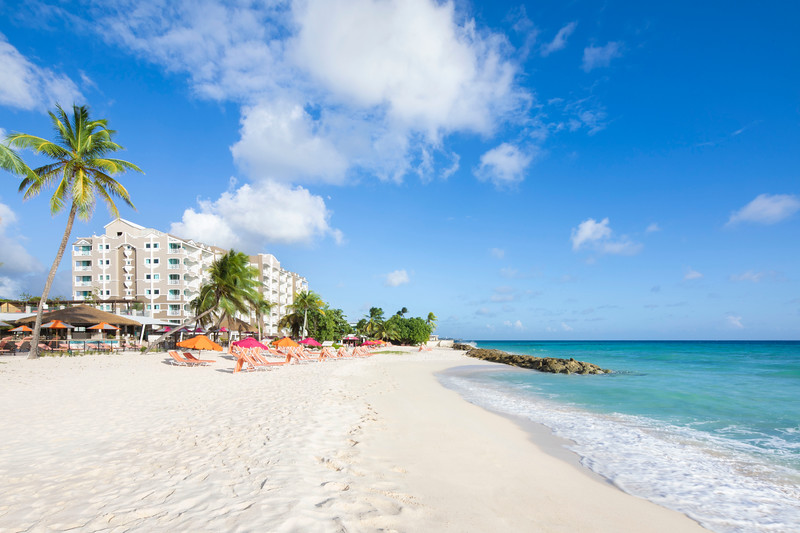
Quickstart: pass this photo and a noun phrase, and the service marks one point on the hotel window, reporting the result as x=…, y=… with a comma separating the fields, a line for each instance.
x=147, y=261
x=155, y=292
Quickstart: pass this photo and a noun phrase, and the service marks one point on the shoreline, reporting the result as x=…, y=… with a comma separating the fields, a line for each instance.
x=101, y=442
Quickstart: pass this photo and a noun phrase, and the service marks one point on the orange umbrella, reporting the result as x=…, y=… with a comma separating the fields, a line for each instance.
x=200, y=342
x=285, y=342
x=104, y=326
x=21, y=328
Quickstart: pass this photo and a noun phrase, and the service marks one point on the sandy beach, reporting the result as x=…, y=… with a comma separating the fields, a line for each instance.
x=128, y=442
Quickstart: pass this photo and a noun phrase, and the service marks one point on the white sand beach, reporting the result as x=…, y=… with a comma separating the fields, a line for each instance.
x=127, y=442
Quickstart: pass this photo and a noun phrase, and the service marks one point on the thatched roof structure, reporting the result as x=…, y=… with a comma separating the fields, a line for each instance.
x=81, y=315
x=235, y=324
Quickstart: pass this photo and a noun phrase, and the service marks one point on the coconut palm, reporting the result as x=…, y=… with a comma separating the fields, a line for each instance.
x=388, y=330
x=232, y=288
x=431, y=321
x=80, y=171
x=305, y=301
x=292, y=322
x=12, y=162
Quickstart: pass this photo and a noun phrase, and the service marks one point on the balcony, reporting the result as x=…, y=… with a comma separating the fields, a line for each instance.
x=83, y=268
x=174, y=282
x=81, y=252
x=172, y=312
x=174, y=298
x=173, y=267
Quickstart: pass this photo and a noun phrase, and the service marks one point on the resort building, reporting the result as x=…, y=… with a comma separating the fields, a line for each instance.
x=278, y=287
x=160, y=274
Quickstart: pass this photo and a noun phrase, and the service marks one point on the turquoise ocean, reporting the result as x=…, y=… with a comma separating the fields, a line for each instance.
x=710, y=429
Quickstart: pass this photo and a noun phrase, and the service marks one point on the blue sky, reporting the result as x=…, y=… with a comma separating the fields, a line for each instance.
x=582, y=170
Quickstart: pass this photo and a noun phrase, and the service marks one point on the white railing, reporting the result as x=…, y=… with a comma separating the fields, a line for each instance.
x=174, y=282
x=173, y=297
x=173, y=267
x=83, y=283
x=83, y=268
x=81, y=252
x=174, y=313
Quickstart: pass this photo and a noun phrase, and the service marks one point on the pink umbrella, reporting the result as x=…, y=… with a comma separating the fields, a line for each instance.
x=249, y=342
x=311, y=342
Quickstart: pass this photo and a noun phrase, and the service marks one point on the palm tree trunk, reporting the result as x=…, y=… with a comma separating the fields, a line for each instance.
x=188, y=321
x=305, y=322
x=37, y=328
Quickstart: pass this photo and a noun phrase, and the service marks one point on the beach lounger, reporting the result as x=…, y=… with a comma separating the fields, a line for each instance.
x=190, y=357
x=179, y=360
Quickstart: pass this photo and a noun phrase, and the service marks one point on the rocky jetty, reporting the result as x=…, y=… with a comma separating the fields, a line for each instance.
x=459, y=346
x=542, y=364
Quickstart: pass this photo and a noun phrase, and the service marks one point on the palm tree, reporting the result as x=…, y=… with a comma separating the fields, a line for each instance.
x=292, y=322
x=233, y=287
x=388, y=330
x=81, y=172
x=305, y=301
x=431, y=321
x=11, y=161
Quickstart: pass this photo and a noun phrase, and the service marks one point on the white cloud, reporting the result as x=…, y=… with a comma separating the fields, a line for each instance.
x=756, y=277
x=26, y=86
x=560, y=40
x=280, y=141
x=499, y=253
x=253, y=215
x=566, y=327
x=692, y=274
x=503, y=165
x=363, y=84
x=589, y=231
x=653, y=228
x=735, y=321
x=600, y=56
x=409, y=57
x=767, y=209
x=599, y=237
x=516, y=324
x=396, y=278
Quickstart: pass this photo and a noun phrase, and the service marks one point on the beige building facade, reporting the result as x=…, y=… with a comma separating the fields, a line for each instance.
x=163, y=273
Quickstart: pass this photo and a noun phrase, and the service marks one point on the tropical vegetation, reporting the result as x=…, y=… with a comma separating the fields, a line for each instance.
x=81, y=171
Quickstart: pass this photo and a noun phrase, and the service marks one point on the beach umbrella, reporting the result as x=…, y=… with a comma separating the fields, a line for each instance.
x=200, y=342
x=4, y=325
x=249, y=342
x=285, y=343
x=103, y=327
x=21, y=328
x=57, y=325
x=310, y=342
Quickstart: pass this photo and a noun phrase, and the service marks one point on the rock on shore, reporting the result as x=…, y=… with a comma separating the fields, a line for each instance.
x=543, y=364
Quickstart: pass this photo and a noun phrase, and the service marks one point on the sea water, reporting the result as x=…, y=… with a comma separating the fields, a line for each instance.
x=710, y=429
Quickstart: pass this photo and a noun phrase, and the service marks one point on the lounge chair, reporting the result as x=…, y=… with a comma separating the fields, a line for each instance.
x=190, y=357
x=180, y=361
